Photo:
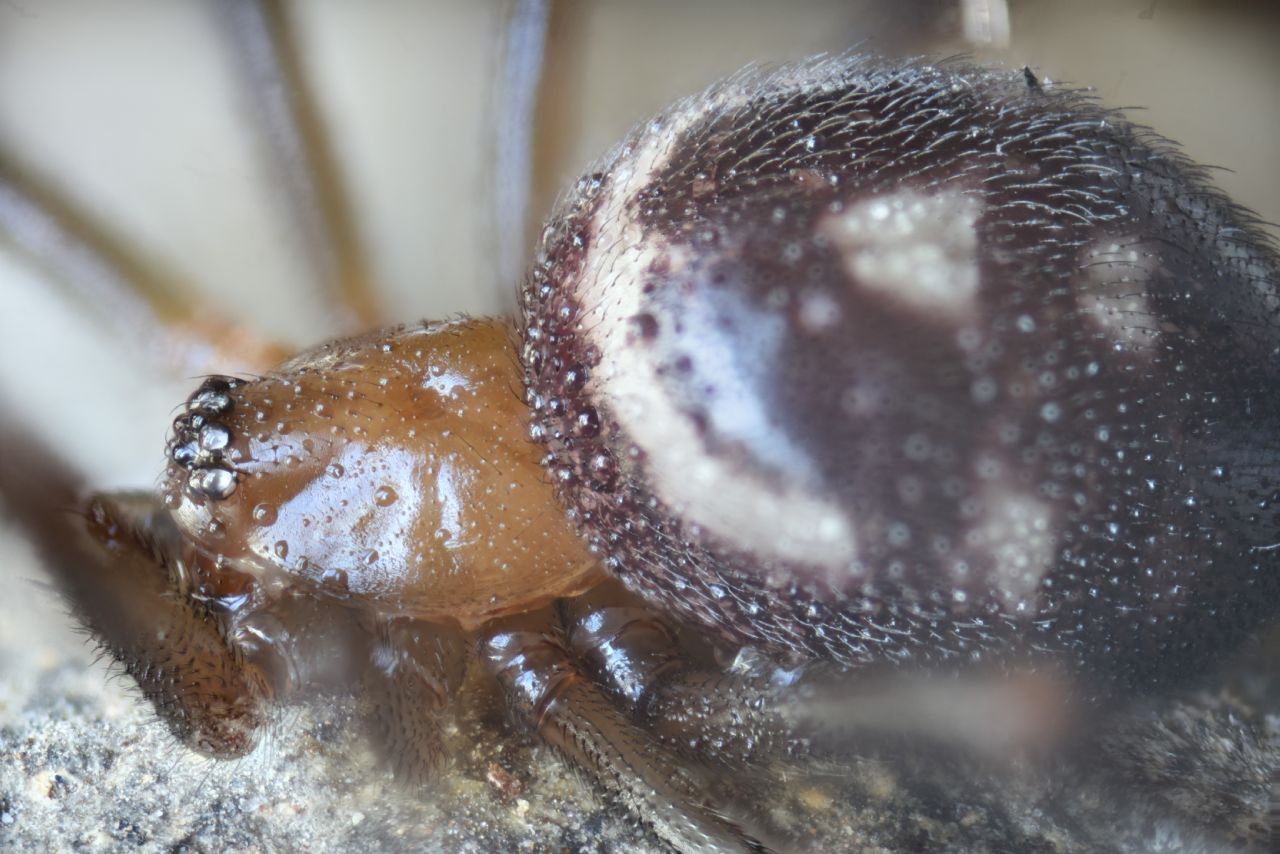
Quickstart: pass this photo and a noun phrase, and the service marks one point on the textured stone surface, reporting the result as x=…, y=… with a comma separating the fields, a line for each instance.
x=84, y=766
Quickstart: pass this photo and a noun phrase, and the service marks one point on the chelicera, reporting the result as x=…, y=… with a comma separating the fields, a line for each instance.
x=847, y=363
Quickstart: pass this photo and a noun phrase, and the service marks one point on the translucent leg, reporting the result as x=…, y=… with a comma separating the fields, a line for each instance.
x=515, y=109
x=144, y=305
x=732, y=718
x=290, y=127
x=136, y=301
x=417, y=668
x=756, y=711
x=571, y=714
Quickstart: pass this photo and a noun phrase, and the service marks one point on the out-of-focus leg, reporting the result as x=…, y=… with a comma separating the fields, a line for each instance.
x=417, y=667
x=731, y=718
x=148, y=307
x=138, y=302
x=118, y=564
x=267, y=57
x=514, y=121
x=759, y=711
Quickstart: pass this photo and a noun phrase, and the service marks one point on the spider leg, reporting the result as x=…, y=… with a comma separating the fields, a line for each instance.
x=119, y=566
x=143, y=304
x=757, y=710
x=417, y=667
x=725, y=718
x=138, y=302
x=268, y=56
x=515, y=107
x=555, y=698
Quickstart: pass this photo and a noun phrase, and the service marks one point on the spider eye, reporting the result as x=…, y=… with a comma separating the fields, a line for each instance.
x=199, y=440
x=898, y=359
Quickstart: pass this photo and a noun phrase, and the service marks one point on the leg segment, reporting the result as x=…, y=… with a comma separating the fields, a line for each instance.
x=289, y=122
x=747, y=715
x=120, y=568
x=416, y=669
x=729, y=718
x=554, y=697
x=135, y=301
x=174, y=646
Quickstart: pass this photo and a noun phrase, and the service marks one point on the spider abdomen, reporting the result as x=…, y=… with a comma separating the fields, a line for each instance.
x=866, y=360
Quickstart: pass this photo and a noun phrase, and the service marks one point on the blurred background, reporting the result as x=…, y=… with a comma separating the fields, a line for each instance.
x=135, y=114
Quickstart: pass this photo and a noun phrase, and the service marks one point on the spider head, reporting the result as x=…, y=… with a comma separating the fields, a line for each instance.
x=392, y=468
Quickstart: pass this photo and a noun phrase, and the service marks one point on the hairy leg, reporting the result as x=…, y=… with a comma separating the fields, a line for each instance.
x=118, y=564
x=758, y=710
x=137, y=605
x=416, y=669
x=714, y=716
x=552, y=695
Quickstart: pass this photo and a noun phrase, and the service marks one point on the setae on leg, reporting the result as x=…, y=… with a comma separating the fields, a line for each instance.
x=553, y=696
x=173, y=644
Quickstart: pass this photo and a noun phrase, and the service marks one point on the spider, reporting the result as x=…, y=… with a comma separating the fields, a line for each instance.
x=211, y=489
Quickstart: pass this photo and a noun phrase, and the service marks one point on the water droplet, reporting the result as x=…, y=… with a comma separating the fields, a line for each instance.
x=370, y=557
x=587, y=424
x=984, y=390
x=183, y=455
x=215, y=483
x=335, y=470
x=385, y=496
x=214, y=437
x=281, y=549
x=264, y=514
x=818, y=312
x=334, y=578
x=211, y=397
x=917, y=447
x=603, y=469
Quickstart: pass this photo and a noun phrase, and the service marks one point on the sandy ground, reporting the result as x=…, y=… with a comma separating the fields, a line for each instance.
x=84, y=766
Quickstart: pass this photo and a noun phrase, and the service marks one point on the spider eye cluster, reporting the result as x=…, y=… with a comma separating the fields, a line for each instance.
x=199, y=439
x=890, y=359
